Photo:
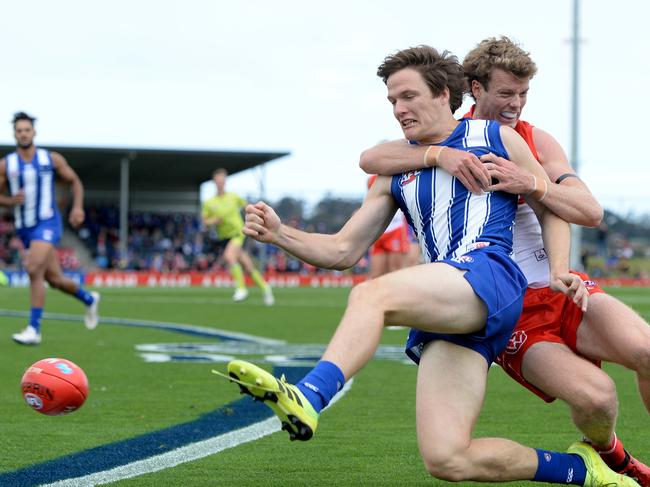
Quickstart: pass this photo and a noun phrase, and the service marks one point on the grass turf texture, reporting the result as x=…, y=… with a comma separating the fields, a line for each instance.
x=368, y=438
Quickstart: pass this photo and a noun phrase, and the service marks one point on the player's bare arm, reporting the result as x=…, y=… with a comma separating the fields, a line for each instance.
x=570, y=193
x=211, y=221
x=570, y=198
x=556, y=233
x=68, y=175
x=399, y=156
x=5, y=199
x=337, y=251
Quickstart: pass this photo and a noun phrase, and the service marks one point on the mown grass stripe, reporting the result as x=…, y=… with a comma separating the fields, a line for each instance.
x=226, y=419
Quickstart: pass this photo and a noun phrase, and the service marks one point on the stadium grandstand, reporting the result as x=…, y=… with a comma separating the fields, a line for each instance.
x=138, y=217
x=143, y=219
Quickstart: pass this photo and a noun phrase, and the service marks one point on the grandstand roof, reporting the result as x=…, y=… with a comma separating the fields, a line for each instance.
x=154, y=169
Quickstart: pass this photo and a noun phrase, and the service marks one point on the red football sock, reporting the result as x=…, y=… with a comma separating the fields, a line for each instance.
x=614, y=454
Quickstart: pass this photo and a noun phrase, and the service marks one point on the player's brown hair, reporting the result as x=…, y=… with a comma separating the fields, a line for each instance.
x=496, y=53
x=439, y=71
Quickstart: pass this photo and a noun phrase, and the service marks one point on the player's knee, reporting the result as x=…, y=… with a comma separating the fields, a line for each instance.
x=447, y=468
x=598, y=399
x=34, y=269
x=640, y=357
x=371, y=293
x=54, y=281
x=364, y=294
x=445, y=464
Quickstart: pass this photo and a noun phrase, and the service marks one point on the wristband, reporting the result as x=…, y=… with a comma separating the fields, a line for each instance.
x=426, y=154
x=435, y=159
x=545, y=192
x=534, y=186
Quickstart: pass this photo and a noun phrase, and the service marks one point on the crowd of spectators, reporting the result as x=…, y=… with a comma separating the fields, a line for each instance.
x=11, y=247
x=166, y=242
x=157, y=242
x=169, y=243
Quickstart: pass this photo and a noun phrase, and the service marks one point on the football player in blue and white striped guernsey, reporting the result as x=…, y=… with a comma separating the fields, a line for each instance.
x=462, y=304
x=30, y=173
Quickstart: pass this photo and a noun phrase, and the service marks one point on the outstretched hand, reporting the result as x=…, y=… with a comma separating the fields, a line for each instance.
x=465, y=167
x=573, y=286
x=262, y=223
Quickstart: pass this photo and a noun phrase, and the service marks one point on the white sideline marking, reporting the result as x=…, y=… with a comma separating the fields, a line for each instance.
x=193, y=451
x=188, y=453
x=160, y=325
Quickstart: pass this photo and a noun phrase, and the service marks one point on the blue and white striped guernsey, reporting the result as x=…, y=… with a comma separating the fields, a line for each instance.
x=36, y=179
x=447, y=219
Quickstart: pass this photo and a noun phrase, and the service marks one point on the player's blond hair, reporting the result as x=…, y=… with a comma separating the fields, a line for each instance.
x=496, y=53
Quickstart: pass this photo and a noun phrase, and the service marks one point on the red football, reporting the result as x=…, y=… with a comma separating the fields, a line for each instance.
x=54, y=386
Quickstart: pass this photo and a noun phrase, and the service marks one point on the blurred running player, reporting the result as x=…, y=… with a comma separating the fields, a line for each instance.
x=556, y=348
x=413, y=255
x=31, y=174
x=223, y=211
x=464, y=301
x=389, y=251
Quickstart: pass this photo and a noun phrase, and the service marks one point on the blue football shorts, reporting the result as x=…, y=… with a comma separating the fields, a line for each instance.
x=500, y=284
x=47, y=231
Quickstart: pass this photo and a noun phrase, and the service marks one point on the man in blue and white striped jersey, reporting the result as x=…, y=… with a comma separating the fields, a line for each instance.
x=30, y=174
x=462, y=303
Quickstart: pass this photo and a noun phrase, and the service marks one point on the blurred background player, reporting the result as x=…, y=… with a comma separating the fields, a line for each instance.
x=31, y=173
x=224, y=212
x=413, y=256
x=390, y=250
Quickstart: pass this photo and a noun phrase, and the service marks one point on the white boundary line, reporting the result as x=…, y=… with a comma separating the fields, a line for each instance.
x=188, y=453
x=193, y=451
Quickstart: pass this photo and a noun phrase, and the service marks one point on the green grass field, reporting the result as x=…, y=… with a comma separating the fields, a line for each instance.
x=365, y=439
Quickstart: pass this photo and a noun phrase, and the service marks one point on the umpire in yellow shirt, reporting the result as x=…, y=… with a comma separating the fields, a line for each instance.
x=224, y=212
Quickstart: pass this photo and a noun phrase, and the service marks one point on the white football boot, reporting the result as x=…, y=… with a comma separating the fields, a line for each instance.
x=91, y=318
x=29, y=336
x=240, y=294
x=269, y=300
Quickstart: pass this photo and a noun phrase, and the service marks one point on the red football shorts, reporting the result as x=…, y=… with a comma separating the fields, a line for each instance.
x=395, y=241
x=547, y=317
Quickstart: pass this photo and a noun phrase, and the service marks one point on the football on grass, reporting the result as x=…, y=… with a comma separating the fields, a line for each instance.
x=54, y=386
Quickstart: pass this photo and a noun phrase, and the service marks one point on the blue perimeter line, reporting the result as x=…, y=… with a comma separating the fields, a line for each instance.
x=227, y=418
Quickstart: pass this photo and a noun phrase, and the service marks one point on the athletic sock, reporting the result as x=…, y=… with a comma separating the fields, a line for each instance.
x=259, y=280
x=35, y=318
x=238, y=276
x=84, y=296
x=321, y=384
x=560, y=468
x=614, y=455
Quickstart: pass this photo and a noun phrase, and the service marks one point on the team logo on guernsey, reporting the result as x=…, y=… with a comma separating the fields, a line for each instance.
x=463, y=259
x=517, y=339
x=590, y=284
x=408, y=177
